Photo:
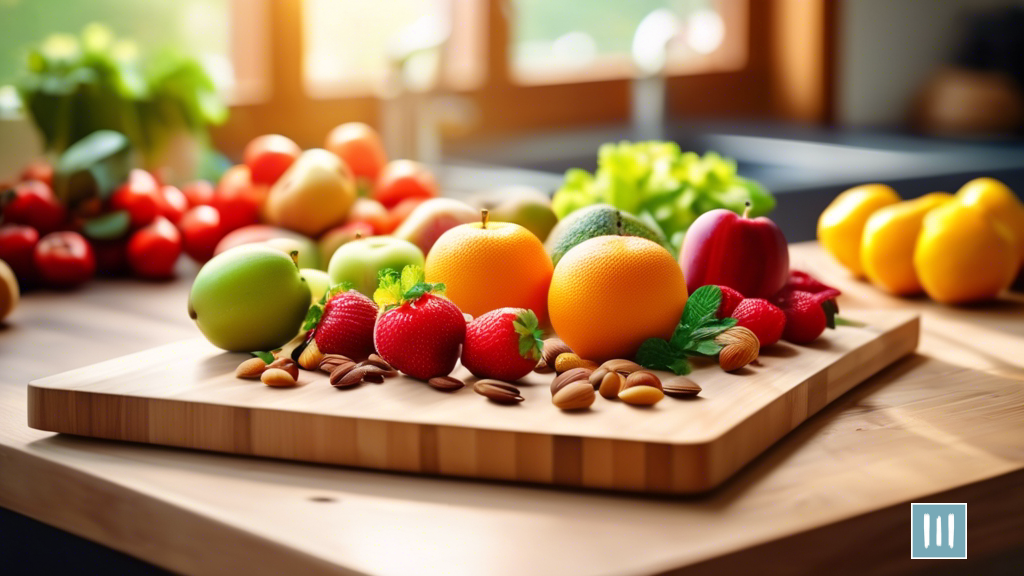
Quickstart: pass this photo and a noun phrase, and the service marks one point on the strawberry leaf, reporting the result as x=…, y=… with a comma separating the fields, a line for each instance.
x=831, y=309
x=658, y=354
x=528, y=327
x=265, y=356
x=394, y=290
x=389, y=289
x=411, y=276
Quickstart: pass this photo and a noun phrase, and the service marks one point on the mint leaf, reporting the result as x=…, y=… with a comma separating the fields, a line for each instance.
x=701, y=306
x=265, y=356
x=703, y=348
x=657, y=354
x=712, y=329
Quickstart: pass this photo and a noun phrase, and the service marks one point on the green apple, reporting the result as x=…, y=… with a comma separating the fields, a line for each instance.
x=318, y=282
x=359, y=261
x=249, y=298
x=309, y=252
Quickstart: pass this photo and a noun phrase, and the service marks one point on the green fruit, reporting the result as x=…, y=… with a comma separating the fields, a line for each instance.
x=318, y=282
x=359, y=261
x=523, y=205
x=93, y=166
x=249, y=298
x=597, y=220
x=110, y=226
x=309, y=252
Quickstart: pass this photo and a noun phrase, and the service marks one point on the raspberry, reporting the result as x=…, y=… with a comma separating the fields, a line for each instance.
x=730, y=298
x=762, y=318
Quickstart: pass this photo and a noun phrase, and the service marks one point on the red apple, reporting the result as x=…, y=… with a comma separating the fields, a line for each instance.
x=749, y=255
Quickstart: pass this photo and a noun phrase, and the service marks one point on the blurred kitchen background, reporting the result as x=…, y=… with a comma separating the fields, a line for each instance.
x=808, y=96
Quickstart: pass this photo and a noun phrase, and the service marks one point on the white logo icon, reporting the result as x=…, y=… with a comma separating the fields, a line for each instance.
x=938, y=530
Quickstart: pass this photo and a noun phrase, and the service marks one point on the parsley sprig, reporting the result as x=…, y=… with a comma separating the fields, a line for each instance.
x=694, y=336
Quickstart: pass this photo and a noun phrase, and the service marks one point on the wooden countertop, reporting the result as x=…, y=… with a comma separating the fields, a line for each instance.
x=946, y=424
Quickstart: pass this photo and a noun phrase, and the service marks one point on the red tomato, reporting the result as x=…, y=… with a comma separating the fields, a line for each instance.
x=140, y=196
x=239, y=200
x=199, y=193
x=111, y=256
x=153, y=250
x=360, y=147
x=269, y=156
x=64, y=259
x=173, y=203
x=38, y=170
x=400, y=212
x=201, y=231
x=33, y=203
x=370, y=211
x=17, y=248
x=403, y=179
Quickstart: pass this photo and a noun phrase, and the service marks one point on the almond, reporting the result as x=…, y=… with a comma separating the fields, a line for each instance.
x=347, y=377
x=446, y=383
x=740, y=347
x=332, y=361
x=641, y=395
x=568, y=361
x=277, y=378
x=574, y=396
x=624, y=367
x=642, y=378
x=382, y=367
x=568, y=377
x=611, y=384
x=286, y=364
x=680, y=387
x=597, y=375
x=251, y=368
x=542, y=367
x=498, y=391
x=311, y=356
x=552, y=348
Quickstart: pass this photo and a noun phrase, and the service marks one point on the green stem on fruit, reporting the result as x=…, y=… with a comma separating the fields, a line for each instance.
x=746, y=211
x=359, y=235
x=485, y=215
x=840, y=321
x=618, y=222
x=295, y=257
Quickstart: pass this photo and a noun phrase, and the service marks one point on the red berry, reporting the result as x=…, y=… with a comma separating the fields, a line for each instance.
x=17, y=248
x=64, y=259
x=730, y=298
x=33, y=203
x=421, y=337
x=503, y=344
x=153, y=250
x=201, y=231
x=173, y=203
x=199, y=193
x=762, y=318
x=140, y=196
x=238, y=198
x=346, y=326
x=805, y=317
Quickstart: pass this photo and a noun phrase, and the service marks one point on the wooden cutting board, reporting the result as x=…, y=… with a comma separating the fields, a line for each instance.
x=185, y=394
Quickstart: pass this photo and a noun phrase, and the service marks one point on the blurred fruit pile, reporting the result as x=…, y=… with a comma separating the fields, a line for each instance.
x=957, y=249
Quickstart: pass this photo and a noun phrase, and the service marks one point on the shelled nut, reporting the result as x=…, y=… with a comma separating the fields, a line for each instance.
x=277, y=378
x=642, y=378
x=251, y=369
x=574, y=375
x=498, y=391
x=568, y=361
x=574, y=396
x=610, y=385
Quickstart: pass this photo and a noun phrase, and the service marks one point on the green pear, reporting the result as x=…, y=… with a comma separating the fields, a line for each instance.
x=315, y=193
x=249, y=298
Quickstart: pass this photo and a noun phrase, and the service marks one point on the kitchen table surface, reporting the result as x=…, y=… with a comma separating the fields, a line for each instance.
x=943, y=425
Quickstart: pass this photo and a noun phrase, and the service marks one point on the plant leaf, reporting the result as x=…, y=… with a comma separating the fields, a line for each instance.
x=265, y=356
x=411, y=276
x=658, y=354
x=389, y=289
x=703, y=348
x=712, y=329
x=701, y=306
x=528, y=327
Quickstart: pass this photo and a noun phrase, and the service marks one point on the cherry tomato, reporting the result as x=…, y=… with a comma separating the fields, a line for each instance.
x=199, y=193
x=33, y=203
x=17, y=248
x=140, y=196
x=269, y=156
x=201, y=231
x=360, y=147
x=239, y=200
x=400, y=212
x=38, y=170
x=111, y=256
x=403, y=179
x=64, y=259
x=370, y=211
x=153, y=250
x=173, y=203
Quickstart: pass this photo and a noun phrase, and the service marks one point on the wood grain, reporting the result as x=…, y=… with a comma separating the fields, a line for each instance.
x=185, y=395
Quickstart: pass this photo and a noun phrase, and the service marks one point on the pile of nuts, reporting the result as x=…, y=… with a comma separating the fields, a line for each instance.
x=344, y=372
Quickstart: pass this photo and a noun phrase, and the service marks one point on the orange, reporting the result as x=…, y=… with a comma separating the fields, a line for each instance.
x=610, y=293
x=489, y=265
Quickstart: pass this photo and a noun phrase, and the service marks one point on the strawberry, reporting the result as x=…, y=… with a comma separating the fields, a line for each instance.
x=804, y=282
x=807, y=314
x=345, y=323
x=762, y=318
x=730, y=298
x=504, y=344
x=419, y=331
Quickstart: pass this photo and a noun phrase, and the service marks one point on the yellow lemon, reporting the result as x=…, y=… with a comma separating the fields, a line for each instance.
x=1001, y=204
x=841, y=224
x=887, y=246
x=963, y=255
